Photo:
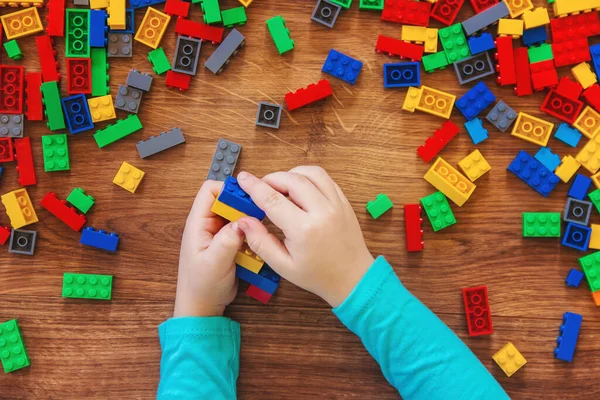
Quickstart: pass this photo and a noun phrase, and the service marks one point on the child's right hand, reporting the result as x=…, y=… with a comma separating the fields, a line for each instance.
x=323, y=250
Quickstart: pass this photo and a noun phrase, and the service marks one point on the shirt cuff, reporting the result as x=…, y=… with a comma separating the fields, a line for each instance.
x=198, y=326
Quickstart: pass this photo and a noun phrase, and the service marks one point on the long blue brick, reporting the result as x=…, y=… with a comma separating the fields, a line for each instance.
x=98, y=28
x=533, y=173
x=567, y=339
x=266, y=279
x=234, y=196
x=99, y=239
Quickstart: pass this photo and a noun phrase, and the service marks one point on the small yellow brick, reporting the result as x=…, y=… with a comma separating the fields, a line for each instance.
x=413, y=96
x=98, y=4
x=248, y=259
x=21, y=23
x=596, y=180
x=588, y=122
x=474, y=165
x=567, y=168
x=532, y=129
x=595, y=238
x=536, y=17
x=449, y=181
x=431, y=40
x=128, y=177
x=518, y=7
x=584, y=75
x=510, y=27
x=245, y=3
x=225, y=211
x=436, y=102
x=589, y=155
x=19, y=209
x=152, y=28
x=509, y=359
x=116, y=14
x=102, y=108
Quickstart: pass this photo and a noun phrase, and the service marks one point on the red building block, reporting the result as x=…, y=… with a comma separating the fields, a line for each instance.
x=33, y=96
x=4, y=234
x=55, y=18
x=480, y=5
x=310, y=94
x=441, y=137
x=177, y=80
x=561, y=107
x=412, y=226
x=199, y=30
x=592, y=96
x=7, y=154
x=569, y=88
x=578, y=26
x=79, y=75
x=477, y=310
x=506, y=61
x=445, y=11
x=543, y=75
x=258, y=294
x=11, y=89
x=46, y=55
x=395, y=47
x=522, y=72
x=571, y=52
x=62, y=211
x=406, y=12
x=25, y=166
x=177, y=7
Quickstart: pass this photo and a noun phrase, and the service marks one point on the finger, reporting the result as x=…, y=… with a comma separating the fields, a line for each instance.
x=204, y=200
x=300, y=190
x=201, y=223
x=320, y=179
x=226, y=243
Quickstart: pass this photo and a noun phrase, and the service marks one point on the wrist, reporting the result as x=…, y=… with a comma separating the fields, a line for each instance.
x=197, y=310
x=352, y=277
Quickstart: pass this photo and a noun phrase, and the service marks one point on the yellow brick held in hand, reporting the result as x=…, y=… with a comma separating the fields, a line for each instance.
x=449, y=181
x=474, y=165
x=567, y=168
x=226, y=211
x=509, y=359
x=510, y=27
x=128, y=177
x=588, y=122
x=19, y=209
x=102, y=108
x=248, y=259
x=532, y=129
x=584, y=75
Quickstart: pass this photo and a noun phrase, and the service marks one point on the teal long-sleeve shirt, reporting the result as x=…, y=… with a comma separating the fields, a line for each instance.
x=418, y=354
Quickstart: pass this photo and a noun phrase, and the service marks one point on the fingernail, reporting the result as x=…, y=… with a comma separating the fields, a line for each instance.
x=242, y=176
x=242, y=225
x=236, y=228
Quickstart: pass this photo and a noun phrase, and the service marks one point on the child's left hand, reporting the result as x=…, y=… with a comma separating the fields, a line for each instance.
x=206, y=282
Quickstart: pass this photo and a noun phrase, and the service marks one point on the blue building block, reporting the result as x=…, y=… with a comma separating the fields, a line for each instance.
x=476, y=130
x=98, y=28
x=77, y=113
x=266, y=279
x=99, y=239
x=533, y=173
x=1, y=170
x=595, y=51
x=534, y=36
x=568, y=135
x=577, y=236
x=477, y=99
x=233, y=195
x=401, y=74
x=341, y=66
x=481, y=43
x=129, y=23
x=574, y=278
x=567, y=338
x=548, y=158
x=135, y=4
x=579, y=187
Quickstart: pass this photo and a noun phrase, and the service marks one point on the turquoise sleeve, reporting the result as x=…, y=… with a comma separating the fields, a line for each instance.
x=200, y=358
x=418, y=354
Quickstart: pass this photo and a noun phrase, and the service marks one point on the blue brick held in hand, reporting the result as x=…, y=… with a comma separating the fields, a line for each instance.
x=547, y=158
x=533, y=173
x=568, y=135
x=477, y=99
x=580, y=187
x=234, y=196
x=401, y=74
x=343, y=67
x=476, y=130
x=574, y=278
x=266, y=279
x=577, y=236
x=481, y=43
x=99, y=239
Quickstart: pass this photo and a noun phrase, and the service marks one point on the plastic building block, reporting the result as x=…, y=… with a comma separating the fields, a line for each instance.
x=532, y=129
x=406, y=12
x=4, y=234
x=120, y=45
x=480, y=5
x=588, y=122
x=139, y=80
x=577, y=211
x=474, y=165
x=441, y=137
x=117, y=131
x=83, y=202
x=162, y=142
x=595, y=238
x=234, y=196
x=431, y=101
x=567, y=339
x=473, y=68
x=575, y=26
x=568, y=135
x=268, y=115
x=539, y=53
x=589, y=155
x=79, y=75
x=211, y=10
x=342, y=66
x=24, y=158
x=199, y=30
x=485, y=18
x=227, y=49
x=580, y=187
x=225, y=211
x=99, y=239
x=518, y=7
x=481, y=43
x=371, y=4
x=379, y=206
x=248, y=259
x=305, y=96
x=477, y=311
x=6, y=150
x=594, y=55
x=187, y=51
x=541, y=224
x=577, y=236
x=536, y=17
x=574, y=278
x=596, y=298
x=101, y=108
x=412, y=227
x=235, y=16
x=563, y=7
x=522, y=72
x=506, y=61
x=428, y=37
x=116, y=14
x=256, y=292
x=19, y=209
x=55, y=18
x=21, y=23
x=454, y=43
x=77, y=113
x=12, y=348
x=476, y=130
x=266, y=279
x=533, y=173
x=224, y=160
x=344, y=3
x=26, y=3
x=13, y=50
x=477, y=99
x=87, y=286
x=543, y=75
x=534, y=36
x=438, y=211
x=99, y=4
x=99, y=72
x=63, y=212
x=591, y=268
x=52, y=103
x=437, y=61
x=11, y=95
x=77, y=40
x=159, y=60
x=510, y=27
x=128, y=99
x=128, y=177
x=22, y=242
x=182, y=9
x=177, y=80
x=567, y=168
x=98, y=28
x=11, y=125
x=547, y=158
x=56, y=153
x=449, y=181
x=445, y=11
x=509, y=359
x=398, y=48
x=584, y=75
x=569, y=88
x=502, y=116
x=135, y=4
x=401, y=75
x=129, y=23
x=571, y=52
x=33, y=96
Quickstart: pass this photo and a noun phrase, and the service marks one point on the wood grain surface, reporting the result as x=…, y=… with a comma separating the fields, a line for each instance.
x=293, y=348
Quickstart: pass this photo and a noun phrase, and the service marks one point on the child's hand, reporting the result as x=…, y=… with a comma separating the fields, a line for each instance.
x=206, y=282
x=323, y=251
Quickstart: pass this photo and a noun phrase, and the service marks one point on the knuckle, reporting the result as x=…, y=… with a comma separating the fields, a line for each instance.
x=273, y=199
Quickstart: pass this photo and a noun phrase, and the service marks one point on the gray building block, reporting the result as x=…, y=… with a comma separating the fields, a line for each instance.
x=473, y=68
x=129, y=99
x=227, y=49
x=11, y=125
x=502, y=116
x=224, y=160
x=139, y=80
x=22, y=242
x=268, y=115
x=120, y=45
x=156, y=144
x=577, y=211
x=326, y=13
x=81, y=2
x=485, y=18
x=186, y=55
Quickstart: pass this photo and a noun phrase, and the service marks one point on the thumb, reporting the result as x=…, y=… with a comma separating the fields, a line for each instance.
x=266, y=245
x=227, y=242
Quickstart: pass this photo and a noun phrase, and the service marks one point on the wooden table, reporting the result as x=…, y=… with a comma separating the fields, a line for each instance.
x=294, y=347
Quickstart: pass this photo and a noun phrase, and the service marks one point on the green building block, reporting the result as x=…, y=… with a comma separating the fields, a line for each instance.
x=551, y=1
x=77, y=38
x=280, y=34
x=591, y=268
x=53, y=109
x=211, y=10
x=56, y=153
x=541, y=224
x=12, y=349
x=118, y=130
x=13, y=50
x=438, y=61
x=99, y=72
x=160, y=62
x=371, y=4
x=379, y=206
x=438, y=211
x=87, y=286
x=83, y=202
x=344, y=3
x=595, y=198
x=540, y=53
x=234, y=16
x=454, y=43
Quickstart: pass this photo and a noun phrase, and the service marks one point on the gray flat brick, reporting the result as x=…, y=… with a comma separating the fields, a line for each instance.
x=577, y=211
x=139, y=80
x=485, y=18
x=129, y=99
x=156, y=144
x=268, y=115
x=224, y=160
x=228, y=48
x=473, y=68
x=81, y=2
x=326, y=13
x=120, y=45
x=11, y=125
x=502, y=116
x=186, y=55
x=22, y=242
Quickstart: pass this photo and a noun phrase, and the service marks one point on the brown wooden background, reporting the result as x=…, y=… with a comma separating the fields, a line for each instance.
x=294, y=347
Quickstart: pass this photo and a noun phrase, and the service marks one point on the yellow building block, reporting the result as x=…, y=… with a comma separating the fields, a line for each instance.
x=248, y=259
x=449, y=181
x=413, y=96
x=518, y=7
x=436, y=102
x=102, y=108
x=509, y=359
x=595, y=237
x=584, y=75
x=564, y=7
x=536, y=17
x=152, y=28
x=24, y=3
x=474, y=165
x=596, y=179
x=128, y=177
x=431, y=40
x=19, y=209
x=245, y=3
x=532, y=129
x=567, y=168
x=421, y=35
x=589, y=155
x=588, y=122
x=21, y=23
x=225, y=211
x=98, y=4
x=510, y=27
x=596, y=298
x=116, y=14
